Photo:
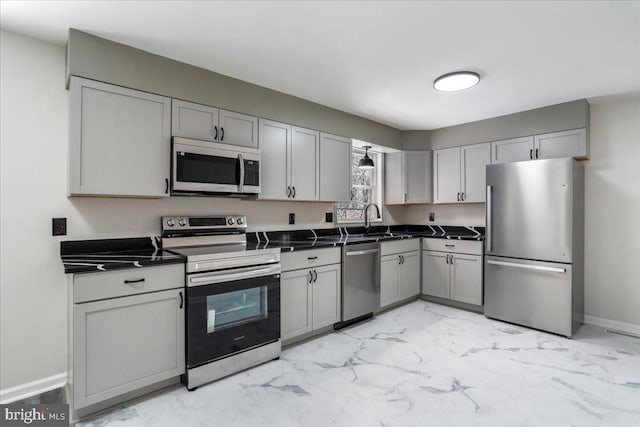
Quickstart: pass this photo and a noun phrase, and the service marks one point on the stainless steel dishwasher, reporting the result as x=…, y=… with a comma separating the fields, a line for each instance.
x=360, y=282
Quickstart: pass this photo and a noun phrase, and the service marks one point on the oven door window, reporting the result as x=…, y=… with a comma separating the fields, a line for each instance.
x=236, y=308
x=206, y=169
x=226, y=318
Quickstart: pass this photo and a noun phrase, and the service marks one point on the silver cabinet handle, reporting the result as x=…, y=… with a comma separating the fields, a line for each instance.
x=458, y=196
x=241, y=158
x=537, y=153
x=488, y=223
x=451, y=259
x=462, y=196
x=447, y=259
x=221, y=133
x=181, y=299
x=450, y=246
x=215, y=137
x=293, y=192
x=368, y=251
x=315, y=276
x=288, y=191
x=138, y=283
x=310, y=276
x=528, y=266
x=531, y=154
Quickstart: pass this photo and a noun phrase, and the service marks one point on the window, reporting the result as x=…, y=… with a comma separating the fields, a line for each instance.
x=366, y=187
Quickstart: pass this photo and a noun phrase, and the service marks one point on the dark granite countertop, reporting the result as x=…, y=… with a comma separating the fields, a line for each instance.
x=114, y=254
x=296, y=240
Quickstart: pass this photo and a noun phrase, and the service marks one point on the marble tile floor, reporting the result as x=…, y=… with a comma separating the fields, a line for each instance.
x=422, y=364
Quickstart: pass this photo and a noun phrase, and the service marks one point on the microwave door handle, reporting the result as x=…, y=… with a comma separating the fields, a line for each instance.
x=241, y=183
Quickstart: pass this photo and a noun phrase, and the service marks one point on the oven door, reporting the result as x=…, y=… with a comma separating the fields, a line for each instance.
x=231, y=311
x=199, y=166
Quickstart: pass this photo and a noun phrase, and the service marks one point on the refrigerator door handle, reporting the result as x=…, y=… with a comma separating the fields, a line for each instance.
x=528, y=266
x=488, y=223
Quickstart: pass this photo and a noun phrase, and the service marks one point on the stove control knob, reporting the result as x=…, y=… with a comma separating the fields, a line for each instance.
x=239, y=221
x=182, y=222
x=230, y=221
x=171, y=222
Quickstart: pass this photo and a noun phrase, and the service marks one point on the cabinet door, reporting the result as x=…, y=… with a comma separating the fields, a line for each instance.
x=466, y=278
x=335, y=168
x=296, y=298
x=327, y=290
x=570, y=143
x=120, y=141
x=409, y=275
x=195, y=121
x=305, y=164
x=446, y=172
x=435, y=274
x=417, y=174
x=393, y=179
x=474, y=160
x=238, y=129
x=124, y=344
x=275, y=138
x=512, y=150
x=389, y=265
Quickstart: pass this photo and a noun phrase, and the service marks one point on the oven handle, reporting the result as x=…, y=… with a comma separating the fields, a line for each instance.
x=236, y=274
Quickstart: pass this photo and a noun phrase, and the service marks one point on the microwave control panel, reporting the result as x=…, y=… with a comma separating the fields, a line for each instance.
x=251, y=172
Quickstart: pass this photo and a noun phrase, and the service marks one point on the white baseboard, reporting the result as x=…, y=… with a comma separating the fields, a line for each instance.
x=33, y=388
x=612, y=324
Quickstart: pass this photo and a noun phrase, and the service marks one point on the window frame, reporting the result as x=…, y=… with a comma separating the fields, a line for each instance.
x=379, y=182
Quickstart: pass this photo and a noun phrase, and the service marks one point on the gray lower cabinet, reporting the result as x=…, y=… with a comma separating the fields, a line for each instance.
x=399, y=277
x=119, y=141
x=126, y=343
x=310, y=297
x=452, y=269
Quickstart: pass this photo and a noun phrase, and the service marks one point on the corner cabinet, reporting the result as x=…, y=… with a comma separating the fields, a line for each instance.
x=207, y=123
x=411, y=172
x=335, y=168
x=569, y=143
x=127, y=332
x=310, y=291
x=452, y=270
x=459, y=173
x=290, y=162
x=119, y=141
x=399, y=271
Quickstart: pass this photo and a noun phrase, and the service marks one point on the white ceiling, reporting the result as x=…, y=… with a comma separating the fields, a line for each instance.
x=377, y=59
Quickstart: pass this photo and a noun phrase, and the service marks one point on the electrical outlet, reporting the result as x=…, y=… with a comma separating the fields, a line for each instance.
x=58, y=226
x=328, y=217
x=292, y=218
x=432, y=216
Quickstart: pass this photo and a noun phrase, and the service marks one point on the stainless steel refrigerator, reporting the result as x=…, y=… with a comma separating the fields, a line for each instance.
x=534, y=246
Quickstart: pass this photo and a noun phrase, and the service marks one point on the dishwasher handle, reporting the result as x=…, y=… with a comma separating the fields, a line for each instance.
x=365, y=252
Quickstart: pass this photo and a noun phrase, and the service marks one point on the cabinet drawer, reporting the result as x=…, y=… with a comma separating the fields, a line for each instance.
x=459, y=246
x=111, y=284
x=398, y=246
x=309, y=258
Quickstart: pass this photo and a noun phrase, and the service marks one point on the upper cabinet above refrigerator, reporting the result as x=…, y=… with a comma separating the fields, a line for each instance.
x=569, y=143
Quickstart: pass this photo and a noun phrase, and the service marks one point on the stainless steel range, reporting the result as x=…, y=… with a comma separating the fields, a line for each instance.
x=232, y=296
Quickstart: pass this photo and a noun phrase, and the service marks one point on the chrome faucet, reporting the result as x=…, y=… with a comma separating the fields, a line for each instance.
x=367, y=223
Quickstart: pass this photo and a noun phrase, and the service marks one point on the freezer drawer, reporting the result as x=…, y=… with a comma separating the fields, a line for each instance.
x=530, y=293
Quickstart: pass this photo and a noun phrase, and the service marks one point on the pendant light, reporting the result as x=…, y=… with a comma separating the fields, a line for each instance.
x=366, y=162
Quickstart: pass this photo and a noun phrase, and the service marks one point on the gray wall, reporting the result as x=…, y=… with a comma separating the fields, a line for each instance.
x=569, y=115
x=104, y=60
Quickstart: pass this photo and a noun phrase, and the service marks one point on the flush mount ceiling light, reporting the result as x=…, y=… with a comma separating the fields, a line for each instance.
x=459, y=80
x=366, y=162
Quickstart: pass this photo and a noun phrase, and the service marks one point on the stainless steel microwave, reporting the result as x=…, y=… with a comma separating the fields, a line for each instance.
x=201, y=167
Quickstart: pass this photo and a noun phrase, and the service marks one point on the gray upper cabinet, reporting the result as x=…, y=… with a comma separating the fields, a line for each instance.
x=275, y=140
x=459, y=173
x=446, y=175
x=290, y=162
x=238, y=129
x=335, y=168
x=195, y=121
x=305, y=164
x=474, y=160
x=512, y=150
x=119, y=141
x=206, y=123
x=411, y=172
x=568, y=143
